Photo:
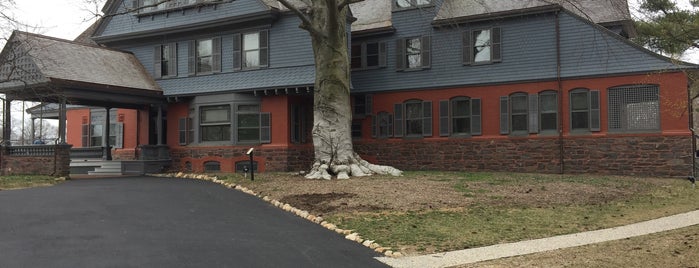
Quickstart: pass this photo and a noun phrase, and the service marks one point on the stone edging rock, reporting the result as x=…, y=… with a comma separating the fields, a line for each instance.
x=348, y=234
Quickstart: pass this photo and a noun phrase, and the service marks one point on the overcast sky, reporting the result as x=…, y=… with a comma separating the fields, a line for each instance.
x=68, y=18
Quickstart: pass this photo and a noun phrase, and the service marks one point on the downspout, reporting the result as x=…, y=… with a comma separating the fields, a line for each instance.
x=690, y=105
x=560, y=95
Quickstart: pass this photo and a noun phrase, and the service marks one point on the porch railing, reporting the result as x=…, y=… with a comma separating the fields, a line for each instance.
x=31, y=150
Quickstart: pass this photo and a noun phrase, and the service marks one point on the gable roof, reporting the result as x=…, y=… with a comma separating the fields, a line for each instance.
x=59, y=59
x=52, y=69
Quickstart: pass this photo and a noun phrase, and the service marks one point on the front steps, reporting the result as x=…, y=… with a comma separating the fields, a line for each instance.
x=100, y=167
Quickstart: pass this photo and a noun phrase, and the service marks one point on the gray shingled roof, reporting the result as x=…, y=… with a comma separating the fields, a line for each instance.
x=372, y=14
x=71, y=61
x=598, y=11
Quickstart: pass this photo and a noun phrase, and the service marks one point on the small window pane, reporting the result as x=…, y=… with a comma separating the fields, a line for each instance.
x=249, y=120
x=549, y=121
x=356, y=56
x=519, y=122
x=214, y=114
x=413, y=118
x=251, y=41
x=579, y=101
x=403, y=3
x=249, y=134
x=413, y=48
x=204, y=48
x=580, y=120
x=461, y=125
x=481, y=46
x=216, y=133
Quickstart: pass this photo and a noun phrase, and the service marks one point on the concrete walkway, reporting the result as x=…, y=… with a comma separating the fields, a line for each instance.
x=545, y=244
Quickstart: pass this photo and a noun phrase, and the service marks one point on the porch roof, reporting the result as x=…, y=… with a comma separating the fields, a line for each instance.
x=41, y=68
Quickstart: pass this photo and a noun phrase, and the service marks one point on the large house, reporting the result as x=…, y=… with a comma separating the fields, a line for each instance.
x=487, y=85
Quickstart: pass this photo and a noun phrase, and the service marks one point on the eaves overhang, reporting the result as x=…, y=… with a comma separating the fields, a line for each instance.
x=269, y=15
x=373, y=32
x=497, y=15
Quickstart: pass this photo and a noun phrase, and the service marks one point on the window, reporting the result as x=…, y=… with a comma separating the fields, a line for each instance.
x=634, y=108
x=93, y=133
x=519, y=112
x=548, y=111
x=215, y=123
x=361, y=105
x=368, y=55
x=356, y=129
x=482, y=46
x=382, y=125
x=205, y=56
x=185, y=130
x=248, y=123
x=413, y=53
x=212, y=166
x=584, y=110
x=460, y=116
x=165, y=60
x=402, y=4
x=250, y=50
x=417, y=120
x=148, y=6
x=299, y=123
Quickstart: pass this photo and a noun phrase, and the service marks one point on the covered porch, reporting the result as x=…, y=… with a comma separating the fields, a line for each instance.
x=64, y=73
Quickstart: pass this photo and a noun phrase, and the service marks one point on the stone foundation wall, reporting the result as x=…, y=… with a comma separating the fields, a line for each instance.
x=294, y=158
x=638, y=155
x=52, y=165
x=616, y=155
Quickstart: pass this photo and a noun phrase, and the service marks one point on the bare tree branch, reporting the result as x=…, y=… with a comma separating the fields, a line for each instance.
x=306, y=23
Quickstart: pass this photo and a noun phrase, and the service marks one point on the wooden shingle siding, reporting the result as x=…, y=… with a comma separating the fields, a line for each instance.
x=586, y=50
x=527, y=53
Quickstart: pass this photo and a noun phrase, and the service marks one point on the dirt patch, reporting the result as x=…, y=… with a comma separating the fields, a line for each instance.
x=436, y=191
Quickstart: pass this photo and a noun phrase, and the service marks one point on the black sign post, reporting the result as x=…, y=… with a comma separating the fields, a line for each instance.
x=252, y=168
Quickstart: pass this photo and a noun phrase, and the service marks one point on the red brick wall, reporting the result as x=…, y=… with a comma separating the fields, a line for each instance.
x=269, y=158
x=58, y=165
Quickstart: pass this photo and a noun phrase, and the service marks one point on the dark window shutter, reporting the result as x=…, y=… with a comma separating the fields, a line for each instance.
x=444, y=118
x=237, y=52
x=368, y=104
x=182, y=127
x=533, y=113
x=496, y=46
x=374, y=126
x=476, y=125
x=264, y=48
x=382, y=54
x=390, y=125
x=85, y=135
x=594, y=111
x=504, y=115
x=192, y=58
x=425, y=45
x=172, y=61
x=467, y=48
x=157, y=61
x=398, y=120
x=265, y=128
x=427, y=119
x=400, y=54
x=216, y=54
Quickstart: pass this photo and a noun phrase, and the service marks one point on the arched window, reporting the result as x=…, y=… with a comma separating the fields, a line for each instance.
x=382, y=125
x=460, y=116
x=413, y=118
x=212, y=166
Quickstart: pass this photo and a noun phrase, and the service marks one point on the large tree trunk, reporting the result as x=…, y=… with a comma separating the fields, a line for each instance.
x=332, y=112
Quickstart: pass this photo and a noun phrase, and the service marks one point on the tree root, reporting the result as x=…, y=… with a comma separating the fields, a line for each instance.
x=356, y=168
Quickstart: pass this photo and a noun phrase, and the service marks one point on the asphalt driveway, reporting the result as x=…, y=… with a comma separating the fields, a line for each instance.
x=157, y=222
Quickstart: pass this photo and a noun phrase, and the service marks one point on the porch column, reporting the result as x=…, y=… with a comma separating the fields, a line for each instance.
x=33, y=131
x=107, y=155
x=7, y=122
x=62, y=122
x=159, y=125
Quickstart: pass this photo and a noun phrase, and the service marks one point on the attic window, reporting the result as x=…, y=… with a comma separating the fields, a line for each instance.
x=406, y=4
x=155, y=6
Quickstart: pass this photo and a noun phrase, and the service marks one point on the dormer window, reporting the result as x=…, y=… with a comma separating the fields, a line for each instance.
x=151, y=6
x=404, y=4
